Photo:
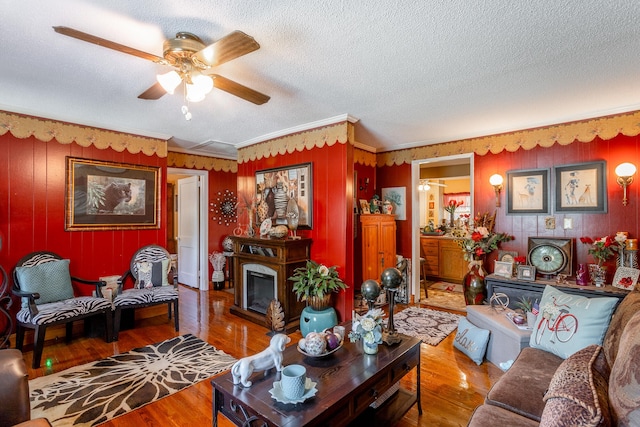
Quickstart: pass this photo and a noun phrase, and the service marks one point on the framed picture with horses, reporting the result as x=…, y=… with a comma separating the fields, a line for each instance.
x=528, y=192
x=104, y=195
x=581, y=187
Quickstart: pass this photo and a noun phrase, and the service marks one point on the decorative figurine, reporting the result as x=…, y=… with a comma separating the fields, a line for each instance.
x=391, y=279
x=270, y=357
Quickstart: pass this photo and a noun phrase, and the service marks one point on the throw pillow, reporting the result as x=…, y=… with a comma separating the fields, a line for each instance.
x=153, y=273
x=50, y=279
x=567, y=323
x=145, y=271
x=577, y=393
x=471, y=340
x=624, y=382
x=629, y=306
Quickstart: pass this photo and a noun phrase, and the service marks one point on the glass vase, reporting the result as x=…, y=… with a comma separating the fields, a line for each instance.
x=370, y=348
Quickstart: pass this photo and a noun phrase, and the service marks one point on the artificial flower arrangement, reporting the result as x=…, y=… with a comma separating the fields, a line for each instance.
x=367, y=327
x=478, y=240
x=453, y=205
x=603, y=248
x=315, y=280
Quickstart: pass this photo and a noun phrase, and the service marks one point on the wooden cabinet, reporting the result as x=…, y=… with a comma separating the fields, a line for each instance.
x=378, y=244
x=444, y=259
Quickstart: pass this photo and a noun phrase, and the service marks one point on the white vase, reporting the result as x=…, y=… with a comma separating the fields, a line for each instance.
x=370, y=348
x=531, y=319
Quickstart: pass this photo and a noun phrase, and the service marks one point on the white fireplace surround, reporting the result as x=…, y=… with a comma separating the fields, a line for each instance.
x=257, y=268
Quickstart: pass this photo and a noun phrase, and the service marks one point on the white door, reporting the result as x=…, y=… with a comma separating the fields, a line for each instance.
x=188, y=233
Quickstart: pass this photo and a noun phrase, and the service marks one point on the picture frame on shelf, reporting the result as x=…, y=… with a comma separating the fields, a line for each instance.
x=287, y=183
x=103, y=195
x=528, y=191
x=581, y=187
x=507, y=256
x=364, y=207
x=503, y=269
x=626, y=278
x=526, y=272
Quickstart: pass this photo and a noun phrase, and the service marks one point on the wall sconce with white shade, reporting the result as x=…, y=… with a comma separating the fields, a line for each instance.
x=496, y=180
x=625, y=172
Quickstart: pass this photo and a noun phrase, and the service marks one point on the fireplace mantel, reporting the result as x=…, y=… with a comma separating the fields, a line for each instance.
x=281, y=255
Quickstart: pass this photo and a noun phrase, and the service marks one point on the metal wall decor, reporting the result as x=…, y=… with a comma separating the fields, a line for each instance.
x=224, y=208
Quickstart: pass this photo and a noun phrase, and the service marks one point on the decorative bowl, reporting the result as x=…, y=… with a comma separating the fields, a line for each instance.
x=318, y=356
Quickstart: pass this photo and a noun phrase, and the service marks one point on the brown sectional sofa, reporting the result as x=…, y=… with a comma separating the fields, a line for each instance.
x=598, y=386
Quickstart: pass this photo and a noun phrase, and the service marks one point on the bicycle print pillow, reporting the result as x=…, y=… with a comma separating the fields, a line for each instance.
x=568, y=323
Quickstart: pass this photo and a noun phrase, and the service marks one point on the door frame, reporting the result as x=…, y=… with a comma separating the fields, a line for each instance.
x=415, y=208
x=203, y=227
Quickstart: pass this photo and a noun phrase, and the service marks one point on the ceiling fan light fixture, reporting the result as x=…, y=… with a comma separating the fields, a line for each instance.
x=202, y=82
x=169, y=81
x=194, y=93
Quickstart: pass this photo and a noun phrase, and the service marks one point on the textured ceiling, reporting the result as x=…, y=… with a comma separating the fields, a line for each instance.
x=412, y=72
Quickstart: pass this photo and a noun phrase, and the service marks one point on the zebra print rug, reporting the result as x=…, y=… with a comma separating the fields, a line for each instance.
x=96, y=392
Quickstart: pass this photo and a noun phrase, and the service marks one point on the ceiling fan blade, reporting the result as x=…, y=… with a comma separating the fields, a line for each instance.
x=108, y=43
x=154, y=92
x=239, y=90
x=227, y=48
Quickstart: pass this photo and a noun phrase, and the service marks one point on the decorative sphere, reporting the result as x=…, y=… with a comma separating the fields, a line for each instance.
x=391, y=278
x=370, y=290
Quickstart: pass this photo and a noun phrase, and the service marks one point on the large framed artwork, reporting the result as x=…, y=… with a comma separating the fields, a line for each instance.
x=581, y=187
x=104, y=195
x=286, y=190
x=528, y=192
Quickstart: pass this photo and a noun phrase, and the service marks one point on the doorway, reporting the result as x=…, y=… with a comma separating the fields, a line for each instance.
x=416, y=165
x=194, y=265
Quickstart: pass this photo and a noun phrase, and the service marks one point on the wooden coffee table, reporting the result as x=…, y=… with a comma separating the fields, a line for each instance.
x=348, y=382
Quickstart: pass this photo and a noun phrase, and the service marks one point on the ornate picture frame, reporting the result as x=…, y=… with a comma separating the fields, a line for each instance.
x=526, y=272
x=528, y=192
x=276, y=187
x=503, y=269
x=581, y=187
x=103, y=195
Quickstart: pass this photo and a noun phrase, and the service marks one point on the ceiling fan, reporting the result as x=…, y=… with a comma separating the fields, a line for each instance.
x=190, y=58
x=425, y=185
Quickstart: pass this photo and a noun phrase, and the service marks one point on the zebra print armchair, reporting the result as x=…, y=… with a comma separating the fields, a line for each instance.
x=155, y=282
x=43, y=282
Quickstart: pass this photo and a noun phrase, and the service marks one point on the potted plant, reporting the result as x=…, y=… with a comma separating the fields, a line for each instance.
x=315, y=282
x=526, y=305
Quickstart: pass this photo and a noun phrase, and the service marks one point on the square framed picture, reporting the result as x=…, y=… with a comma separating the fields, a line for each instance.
x=626, y=278
x=581, y=187
x=503, y=268
x=526, y=272
x=528, y=192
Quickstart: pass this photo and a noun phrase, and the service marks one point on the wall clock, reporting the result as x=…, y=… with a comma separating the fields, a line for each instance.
x=551, y=255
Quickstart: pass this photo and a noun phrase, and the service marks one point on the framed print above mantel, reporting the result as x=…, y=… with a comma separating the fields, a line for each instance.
x=581, y=187
x=283, y=190
x=104, y=195
x=528, y=192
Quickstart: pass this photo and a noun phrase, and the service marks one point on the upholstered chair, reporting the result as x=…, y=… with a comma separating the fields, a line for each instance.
x=43, y=282
x=155, y=282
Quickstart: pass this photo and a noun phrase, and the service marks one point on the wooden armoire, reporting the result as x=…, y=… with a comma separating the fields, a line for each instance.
x=378, y=244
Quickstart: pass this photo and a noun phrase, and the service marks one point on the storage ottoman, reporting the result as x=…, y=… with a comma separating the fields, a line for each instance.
x=506, y=339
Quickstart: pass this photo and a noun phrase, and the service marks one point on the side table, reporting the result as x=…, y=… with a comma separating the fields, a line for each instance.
x=228, y=267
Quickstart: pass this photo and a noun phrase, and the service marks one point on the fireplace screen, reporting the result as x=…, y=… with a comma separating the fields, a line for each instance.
x=260, y=288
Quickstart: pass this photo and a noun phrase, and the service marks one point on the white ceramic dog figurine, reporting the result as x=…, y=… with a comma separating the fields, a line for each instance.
x=268, y=358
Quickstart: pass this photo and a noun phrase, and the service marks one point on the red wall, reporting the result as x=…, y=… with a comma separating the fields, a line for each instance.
x=219, y=182
x=32, y=208
x=619, y=218
x=332, y=231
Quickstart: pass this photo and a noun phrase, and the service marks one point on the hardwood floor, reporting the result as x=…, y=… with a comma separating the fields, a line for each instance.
x=451, y=384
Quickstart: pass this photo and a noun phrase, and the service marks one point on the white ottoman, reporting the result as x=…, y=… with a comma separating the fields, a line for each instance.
x=506, y=339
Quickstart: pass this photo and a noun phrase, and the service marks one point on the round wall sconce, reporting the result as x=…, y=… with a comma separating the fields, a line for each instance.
x=496, y=180
x=625, y=172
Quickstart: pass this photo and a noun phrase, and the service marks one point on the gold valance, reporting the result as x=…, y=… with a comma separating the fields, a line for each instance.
x=192, y=161
x=65, y=133
x=306, y=140
x=364, y=157
x=608, y=127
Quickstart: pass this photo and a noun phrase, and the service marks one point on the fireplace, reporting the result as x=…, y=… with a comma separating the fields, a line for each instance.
x=260, y=287
x=261, y=267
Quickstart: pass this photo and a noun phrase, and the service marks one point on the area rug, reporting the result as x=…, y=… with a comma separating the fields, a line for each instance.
x=444, y=295
x=96, y=392
x=431, y=326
